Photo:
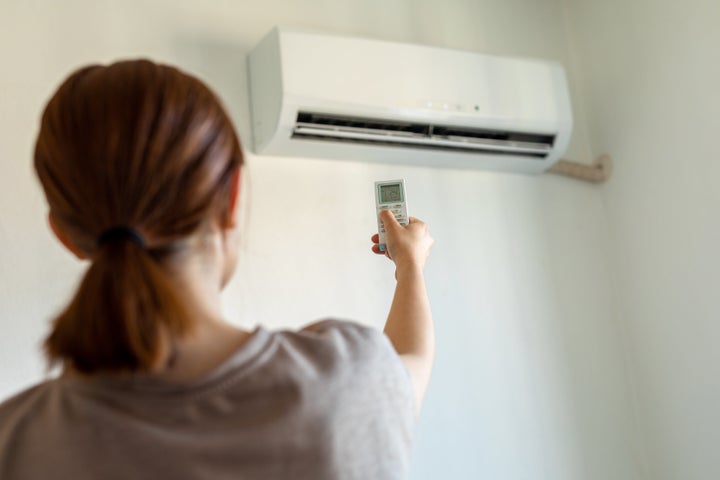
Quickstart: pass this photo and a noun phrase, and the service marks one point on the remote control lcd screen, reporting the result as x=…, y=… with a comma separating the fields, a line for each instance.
x=390, y=193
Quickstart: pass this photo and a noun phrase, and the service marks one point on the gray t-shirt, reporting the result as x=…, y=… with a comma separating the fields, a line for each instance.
x=331, y=401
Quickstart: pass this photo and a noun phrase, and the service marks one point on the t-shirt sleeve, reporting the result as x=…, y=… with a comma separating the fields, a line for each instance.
x=372, y=396
x=365, y=349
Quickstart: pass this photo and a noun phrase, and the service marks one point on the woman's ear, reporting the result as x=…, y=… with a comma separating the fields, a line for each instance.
x=233, y=203
x=64, y=239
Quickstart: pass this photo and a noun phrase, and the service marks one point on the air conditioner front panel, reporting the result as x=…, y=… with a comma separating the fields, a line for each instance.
x=418, y=78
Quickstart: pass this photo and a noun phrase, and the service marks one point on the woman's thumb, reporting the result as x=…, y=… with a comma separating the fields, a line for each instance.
x=389, y=220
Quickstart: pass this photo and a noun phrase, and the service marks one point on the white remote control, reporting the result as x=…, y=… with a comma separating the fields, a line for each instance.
x=390, y=195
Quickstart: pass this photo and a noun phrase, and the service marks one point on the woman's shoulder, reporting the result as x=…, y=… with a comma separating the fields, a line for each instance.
x=345, y=349
x=346, y=340
x=22, y=398
x=18, y=408
x=343, y=330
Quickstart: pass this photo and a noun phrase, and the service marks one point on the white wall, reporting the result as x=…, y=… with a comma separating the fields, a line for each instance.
x=651, y=80
x=529, y=380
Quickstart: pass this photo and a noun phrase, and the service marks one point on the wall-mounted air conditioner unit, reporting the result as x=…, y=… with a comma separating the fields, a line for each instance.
x=330, y=96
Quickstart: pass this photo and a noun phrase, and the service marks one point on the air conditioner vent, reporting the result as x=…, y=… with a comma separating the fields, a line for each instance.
x=319, y=126
x=359, y=123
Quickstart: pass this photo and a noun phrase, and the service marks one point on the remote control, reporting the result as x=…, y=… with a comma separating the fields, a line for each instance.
x=390, y=195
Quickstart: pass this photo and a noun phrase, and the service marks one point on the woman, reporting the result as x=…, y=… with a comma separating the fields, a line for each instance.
x=141, y=168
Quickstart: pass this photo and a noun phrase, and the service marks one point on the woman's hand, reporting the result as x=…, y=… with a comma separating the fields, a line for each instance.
x=407, y=246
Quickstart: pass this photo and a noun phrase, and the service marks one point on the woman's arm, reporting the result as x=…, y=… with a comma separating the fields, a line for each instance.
x=409, y=325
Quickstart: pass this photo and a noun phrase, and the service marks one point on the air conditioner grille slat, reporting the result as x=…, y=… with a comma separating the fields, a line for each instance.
x=317, y=126
x=363, y=129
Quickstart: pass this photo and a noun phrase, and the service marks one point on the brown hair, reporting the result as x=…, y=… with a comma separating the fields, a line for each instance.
x=143, y=146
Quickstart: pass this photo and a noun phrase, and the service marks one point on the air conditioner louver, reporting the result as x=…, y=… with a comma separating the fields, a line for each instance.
x=318, y=126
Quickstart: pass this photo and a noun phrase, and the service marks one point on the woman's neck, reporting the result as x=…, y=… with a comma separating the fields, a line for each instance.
x=198, y=275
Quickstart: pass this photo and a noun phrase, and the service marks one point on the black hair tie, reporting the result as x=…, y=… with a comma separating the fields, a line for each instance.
x=121, y=233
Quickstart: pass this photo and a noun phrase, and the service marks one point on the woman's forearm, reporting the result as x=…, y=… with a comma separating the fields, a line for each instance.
x=409, y=324
x=410, y=327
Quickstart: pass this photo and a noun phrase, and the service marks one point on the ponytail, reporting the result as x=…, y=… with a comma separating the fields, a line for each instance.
x=123, y=314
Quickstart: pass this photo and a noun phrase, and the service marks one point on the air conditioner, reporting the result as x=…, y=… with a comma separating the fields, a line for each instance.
x=328, y=96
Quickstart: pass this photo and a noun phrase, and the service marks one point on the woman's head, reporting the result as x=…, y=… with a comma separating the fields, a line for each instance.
x=144, y=147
